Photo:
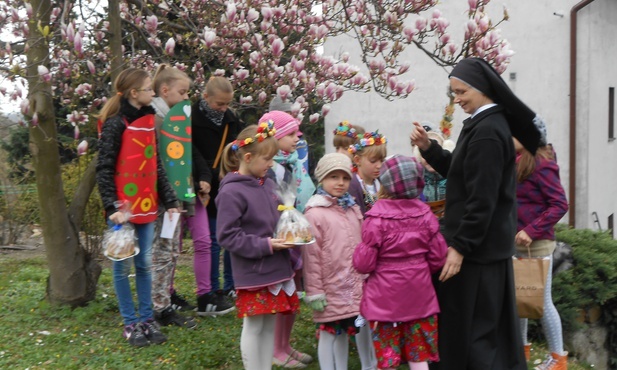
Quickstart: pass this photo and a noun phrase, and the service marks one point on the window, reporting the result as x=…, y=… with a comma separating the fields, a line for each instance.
x=611, y=113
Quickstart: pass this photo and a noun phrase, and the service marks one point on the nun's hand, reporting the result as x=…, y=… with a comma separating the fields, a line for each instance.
x=453, y=264
x=419, y=137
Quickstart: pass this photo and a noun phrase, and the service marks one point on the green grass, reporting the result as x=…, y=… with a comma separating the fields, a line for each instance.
x=35, y=335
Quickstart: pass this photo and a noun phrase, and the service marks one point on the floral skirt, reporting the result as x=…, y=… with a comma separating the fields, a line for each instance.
x=338, y=327
x=400, y=343
x=262, y=302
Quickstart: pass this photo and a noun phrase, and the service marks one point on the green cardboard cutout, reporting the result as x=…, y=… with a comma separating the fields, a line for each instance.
x=176, y=150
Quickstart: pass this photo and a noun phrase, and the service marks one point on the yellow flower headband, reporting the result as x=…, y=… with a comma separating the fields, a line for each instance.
x=264, y=131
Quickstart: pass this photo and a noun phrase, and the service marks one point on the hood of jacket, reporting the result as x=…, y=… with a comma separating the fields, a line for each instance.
x=398, y=209
x=232, y=178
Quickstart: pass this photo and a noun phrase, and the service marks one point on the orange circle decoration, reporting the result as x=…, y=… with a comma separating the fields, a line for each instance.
x=146, y=204
x=175, y=150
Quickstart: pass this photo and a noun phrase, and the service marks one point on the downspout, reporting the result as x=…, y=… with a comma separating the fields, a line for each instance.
x=573, y=54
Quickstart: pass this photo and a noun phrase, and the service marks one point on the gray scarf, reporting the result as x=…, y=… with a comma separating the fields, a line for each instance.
x=213, y=115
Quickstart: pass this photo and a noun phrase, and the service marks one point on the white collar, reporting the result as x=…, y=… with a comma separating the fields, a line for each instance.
x=483, y=108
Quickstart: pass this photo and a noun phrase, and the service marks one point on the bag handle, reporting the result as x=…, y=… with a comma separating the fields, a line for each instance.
x=220, y=151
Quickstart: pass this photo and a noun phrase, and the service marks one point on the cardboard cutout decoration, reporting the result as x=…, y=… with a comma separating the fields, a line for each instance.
x=176, y=150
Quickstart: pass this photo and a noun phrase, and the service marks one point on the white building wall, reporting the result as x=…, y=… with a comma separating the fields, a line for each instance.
x=541, y=40
x=598, y=155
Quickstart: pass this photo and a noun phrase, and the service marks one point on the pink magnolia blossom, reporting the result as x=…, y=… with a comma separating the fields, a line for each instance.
x=44, y=73
x=246, y=99
x=241, y=74
x=209, y=37
x=262, y=97
x=483, y=24
x=473, y=4
x=313, y=118
x=295, y=109
x=283, y=91
x=78, y=44
x=421, y=24
x=70, y=33
x=91, y=67
x=83, y=89
x=35, y=119
x=230, y=13
x=76, y=132
x=82, y=148
x=277, y=47
x=266, y=12
x=325, y=110
x=25, y=107
x=152, y=23
x=252, y=15
x=170, y=46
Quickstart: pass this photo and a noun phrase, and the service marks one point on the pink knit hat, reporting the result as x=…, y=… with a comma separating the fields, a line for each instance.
x=284, y=123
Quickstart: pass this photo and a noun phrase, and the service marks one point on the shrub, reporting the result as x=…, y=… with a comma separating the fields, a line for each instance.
x=590, y=283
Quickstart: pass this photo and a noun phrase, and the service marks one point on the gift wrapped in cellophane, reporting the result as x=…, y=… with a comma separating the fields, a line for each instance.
x=292, y=226
x=119, y=241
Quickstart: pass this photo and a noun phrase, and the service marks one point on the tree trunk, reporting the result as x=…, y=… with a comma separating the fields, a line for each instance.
x=72, y=273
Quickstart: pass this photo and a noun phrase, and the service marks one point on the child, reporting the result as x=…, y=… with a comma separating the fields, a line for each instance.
x=333, y=287
x=287, y=170
x=368, y=155
x=401, y=247
x=345, y=135
x=215, y=125
x=246, y=221
x=171, y=87
x=434, y=184
x=127, y=146
x=541, y=204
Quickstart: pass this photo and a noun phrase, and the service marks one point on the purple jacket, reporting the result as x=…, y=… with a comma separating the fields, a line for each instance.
x=401, y=247
x=541, y=201
x=355, y=189
x=245, y=223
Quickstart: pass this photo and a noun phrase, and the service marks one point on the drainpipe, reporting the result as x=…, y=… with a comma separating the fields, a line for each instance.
x=573, y=53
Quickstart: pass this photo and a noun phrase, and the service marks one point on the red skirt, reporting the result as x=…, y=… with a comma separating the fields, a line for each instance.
x=262, y=302
x=411, y=341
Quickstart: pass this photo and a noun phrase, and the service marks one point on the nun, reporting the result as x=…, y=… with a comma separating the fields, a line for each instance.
x=478, y=325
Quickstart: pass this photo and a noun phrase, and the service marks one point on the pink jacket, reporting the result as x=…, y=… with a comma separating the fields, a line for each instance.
x=401, y=247
x=328, y=270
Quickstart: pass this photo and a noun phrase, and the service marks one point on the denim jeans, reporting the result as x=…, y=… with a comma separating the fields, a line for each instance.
x=228, y=280
x=143, y=278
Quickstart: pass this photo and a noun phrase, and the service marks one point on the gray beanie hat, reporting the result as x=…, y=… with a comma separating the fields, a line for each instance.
x=278, y=104
x=332, y=162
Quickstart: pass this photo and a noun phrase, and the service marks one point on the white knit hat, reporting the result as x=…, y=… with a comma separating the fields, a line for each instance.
x=332, y=162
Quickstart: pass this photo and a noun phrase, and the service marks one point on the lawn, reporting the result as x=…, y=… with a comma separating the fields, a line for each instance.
x=35, y=335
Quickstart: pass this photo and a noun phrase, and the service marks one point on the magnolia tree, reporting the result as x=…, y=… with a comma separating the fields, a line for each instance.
x=61, y=56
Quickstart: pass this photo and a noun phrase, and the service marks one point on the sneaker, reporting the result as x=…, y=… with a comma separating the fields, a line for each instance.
x=554, y=362
x=212, y=304
x=170, y=317
x=134, y=333
x=178, y=303
x=153, y=332
x=231, y=293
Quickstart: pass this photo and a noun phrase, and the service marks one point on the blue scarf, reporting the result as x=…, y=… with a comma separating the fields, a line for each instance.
x=344, y=201
x=301, y=178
